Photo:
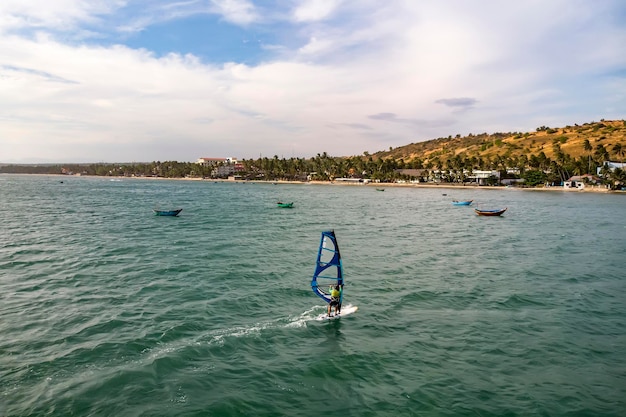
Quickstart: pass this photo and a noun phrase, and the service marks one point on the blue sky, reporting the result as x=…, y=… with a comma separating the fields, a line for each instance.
x=124, y=80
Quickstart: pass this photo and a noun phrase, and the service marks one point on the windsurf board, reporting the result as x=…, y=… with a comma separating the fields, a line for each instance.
x=345, y=311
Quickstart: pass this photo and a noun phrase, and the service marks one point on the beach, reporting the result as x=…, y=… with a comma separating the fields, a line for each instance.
x=379, y=185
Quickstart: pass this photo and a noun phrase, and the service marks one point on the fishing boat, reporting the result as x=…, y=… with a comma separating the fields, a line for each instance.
x=167, y=212
x=380, y=189
x=285, y=205
x=461, y=203
x=495, y=212
x=329, y=273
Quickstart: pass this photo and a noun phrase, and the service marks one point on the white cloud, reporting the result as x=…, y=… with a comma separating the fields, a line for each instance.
x=57, y=14
x=236, y=11
x=314, y=10
x=378, y=76
x=315, y=47
x=239, y=12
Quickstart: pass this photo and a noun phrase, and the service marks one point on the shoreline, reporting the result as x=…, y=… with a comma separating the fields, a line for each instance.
x=588, y=189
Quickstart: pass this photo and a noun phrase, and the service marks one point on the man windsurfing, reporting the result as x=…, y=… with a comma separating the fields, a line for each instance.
x=335, y=299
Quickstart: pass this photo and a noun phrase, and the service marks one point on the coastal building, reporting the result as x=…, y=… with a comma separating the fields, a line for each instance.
x=215, y=161
x=612, y=166
x=226, y=169
x=482, y=177
x=436, y=176
x=577, y=182
x=222, y=167
x=418, y=174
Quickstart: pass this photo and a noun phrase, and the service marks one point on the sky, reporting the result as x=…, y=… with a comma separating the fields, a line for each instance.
x=153, y=80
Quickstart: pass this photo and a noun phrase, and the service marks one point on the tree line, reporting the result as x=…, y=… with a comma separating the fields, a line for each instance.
x=534, y=169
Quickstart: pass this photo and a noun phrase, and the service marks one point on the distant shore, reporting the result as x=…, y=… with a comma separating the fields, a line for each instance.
x=597, y=189
x=470, y=187
x=593, y=189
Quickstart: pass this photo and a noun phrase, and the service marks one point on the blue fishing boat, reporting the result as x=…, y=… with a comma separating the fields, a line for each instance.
x=329, y=273
x=285, y=205
x=167, y=212
x=461, y=203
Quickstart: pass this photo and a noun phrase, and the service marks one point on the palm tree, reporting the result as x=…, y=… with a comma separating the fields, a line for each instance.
x=619, y=151
x=588, y=148
x=619, y=178
x=601, y=153
x=579, y=166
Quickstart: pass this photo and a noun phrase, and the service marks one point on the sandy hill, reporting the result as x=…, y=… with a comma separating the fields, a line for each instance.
x=569, y=139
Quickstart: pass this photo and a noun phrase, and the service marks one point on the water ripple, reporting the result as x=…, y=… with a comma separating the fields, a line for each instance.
x=106, y=309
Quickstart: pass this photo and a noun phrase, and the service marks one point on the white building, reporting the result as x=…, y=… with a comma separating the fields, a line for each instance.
x=215, y=161
x=222, y=167
x=481, y=176
x=577, y=182
x=610, y=165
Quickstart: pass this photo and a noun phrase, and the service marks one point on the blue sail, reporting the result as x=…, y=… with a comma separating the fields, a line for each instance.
x=328, y=268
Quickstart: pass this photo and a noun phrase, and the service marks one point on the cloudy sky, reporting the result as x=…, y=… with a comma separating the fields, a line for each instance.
x=155, y=80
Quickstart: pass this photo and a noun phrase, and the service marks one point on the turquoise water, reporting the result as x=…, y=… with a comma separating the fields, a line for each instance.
x=108, y=310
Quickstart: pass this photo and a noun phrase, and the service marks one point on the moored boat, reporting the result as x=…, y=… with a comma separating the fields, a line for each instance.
x=285, y=205
x=495, y=212
x=167, y=212
x=461, y=203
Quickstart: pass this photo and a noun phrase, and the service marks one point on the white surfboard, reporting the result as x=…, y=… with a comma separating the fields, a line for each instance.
x=345, y=311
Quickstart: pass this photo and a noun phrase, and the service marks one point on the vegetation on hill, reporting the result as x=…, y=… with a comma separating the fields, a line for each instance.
x=599, y=141
x=546, y=155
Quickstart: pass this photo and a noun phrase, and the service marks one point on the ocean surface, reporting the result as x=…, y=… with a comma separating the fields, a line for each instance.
x=109, y=310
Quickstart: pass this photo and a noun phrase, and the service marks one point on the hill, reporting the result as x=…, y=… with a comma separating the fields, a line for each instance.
x=569, y=140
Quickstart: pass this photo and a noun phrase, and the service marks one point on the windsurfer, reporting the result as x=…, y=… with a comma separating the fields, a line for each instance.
x=335, y=299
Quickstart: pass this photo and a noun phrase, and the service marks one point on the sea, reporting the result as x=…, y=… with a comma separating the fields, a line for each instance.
x=109, y=310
